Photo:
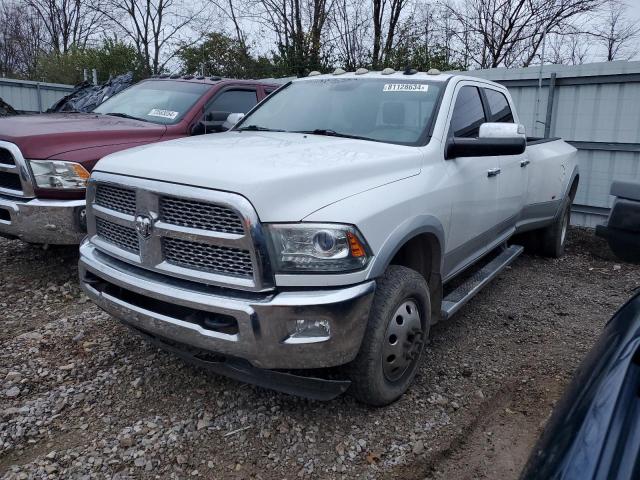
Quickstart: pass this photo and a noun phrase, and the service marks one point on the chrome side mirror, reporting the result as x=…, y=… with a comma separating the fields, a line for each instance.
x=501, y=130
x=232, y=119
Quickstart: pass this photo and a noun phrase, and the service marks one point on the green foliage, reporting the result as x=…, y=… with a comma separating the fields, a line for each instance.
x=289, y=62
x=421, y=57
x=111, y=59
x=222, y=55
x=115, y=58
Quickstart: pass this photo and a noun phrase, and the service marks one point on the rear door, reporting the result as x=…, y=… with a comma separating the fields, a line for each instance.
x=473, y=191
x=514, y=171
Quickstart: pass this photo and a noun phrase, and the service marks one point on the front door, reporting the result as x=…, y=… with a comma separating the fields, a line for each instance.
x=473, y=187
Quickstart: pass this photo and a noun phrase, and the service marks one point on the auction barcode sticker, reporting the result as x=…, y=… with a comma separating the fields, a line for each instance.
x=157, y=112
x=405, y=87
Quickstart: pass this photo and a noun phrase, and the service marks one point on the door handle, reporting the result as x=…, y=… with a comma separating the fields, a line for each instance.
x=493, y=172
x=525, y=162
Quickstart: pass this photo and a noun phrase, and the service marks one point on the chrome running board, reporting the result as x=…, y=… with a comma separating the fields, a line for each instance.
x=456, y=299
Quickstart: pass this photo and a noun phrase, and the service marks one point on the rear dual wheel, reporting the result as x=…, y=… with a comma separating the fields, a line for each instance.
x=549, y=241
x=393, y=343
x=554, y=236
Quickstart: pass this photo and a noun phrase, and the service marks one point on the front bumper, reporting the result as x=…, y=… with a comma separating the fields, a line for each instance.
x=57, y=222
x=183, y=312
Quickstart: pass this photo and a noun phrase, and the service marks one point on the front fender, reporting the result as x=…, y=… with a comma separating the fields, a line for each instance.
x=404, y=232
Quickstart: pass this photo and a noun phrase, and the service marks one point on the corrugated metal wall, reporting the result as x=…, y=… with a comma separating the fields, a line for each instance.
x=30, y=96
x=596, y=107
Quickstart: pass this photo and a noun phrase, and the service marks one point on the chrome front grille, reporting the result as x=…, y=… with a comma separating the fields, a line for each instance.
x=14, y=176
x=209, y=258
x=188, y=232
x=10, y=181
x=6, y=158
x=200, y=215
x=125, y=238
x=115, y=198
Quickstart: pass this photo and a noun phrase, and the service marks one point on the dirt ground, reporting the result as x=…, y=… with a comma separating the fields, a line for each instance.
x=83, y=397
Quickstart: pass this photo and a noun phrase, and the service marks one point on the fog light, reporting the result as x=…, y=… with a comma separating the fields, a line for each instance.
x=82, y=218
x=308, y=331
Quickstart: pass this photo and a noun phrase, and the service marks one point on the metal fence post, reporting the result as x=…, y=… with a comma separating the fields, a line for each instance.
x=547, y=120
x=39, y=91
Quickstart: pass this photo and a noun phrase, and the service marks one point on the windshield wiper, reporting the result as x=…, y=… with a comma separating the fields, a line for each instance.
x=258, y=128
x=327, y=132
x=125, y=115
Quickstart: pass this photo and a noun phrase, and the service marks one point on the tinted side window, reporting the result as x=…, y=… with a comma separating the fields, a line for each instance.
x=468, y=113
x=498, y=106
x=234, y=101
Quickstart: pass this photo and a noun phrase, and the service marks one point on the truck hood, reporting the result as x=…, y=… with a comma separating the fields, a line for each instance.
x=43, y=136
x=286, y=176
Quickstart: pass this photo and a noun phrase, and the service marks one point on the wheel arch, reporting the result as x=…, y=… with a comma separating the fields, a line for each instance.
x=417, y=244
x=575, y=181
x=569, y=192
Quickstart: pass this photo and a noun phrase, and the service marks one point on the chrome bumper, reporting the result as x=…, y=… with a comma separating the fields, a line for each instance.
x=57, y=222
x=166, y=307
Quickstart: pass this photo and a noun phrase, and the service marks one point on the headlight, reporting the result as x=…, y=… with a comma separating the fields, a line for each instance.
x=59, y=174
x=321, y=248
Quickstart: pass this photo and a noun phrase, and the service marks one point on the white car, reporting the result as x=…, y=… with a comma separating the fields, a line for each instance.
x=326, y=229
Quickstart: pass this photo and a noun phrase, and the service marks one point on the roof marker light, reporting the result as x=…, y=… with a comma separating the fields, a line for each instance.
x=315, y=73
x=388, y=71
x=361, y=71
x=215, y=78
x=433, y=71
x=339, y=71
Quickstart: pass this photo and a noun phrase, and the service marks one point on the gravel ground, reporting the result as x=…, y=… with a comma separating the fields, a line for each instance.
x=82, y=397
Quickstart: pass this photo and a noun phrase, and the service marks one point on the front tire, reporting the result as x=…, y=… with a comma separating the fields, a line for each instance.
x=394, y=340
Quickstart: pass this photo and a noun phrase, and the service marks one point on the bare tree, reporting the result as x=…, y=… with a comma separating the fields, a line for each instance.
x=154, y=26
x=350, y=23
x=299, y=26
x=67, y=22
x=442, y=35
x=510, y=32
x=21, y=40
x=10, y=36
x=235, y=12
x=614, y=29
x=567, y=49
x=386, y=15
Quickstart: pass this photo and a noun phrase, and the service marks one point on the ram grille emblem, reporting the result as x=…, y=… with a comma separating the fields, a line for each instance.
x=144, y=225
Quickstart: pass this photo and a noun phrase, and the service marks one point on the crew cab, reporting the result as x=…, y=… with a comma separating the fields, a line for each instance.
x=331, y=227
x=45, y=160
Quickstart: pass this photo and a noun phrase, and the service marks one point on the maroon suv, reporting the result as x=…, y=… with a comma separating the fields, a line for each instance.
x=45, y=160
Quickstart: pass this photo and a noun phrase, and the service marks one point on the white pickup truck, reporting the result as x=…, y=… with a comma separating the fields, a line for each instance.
x=332, y=227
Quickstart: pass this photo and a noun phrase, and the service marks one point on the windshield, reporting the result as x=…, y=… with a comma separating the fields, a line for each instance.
x=385, y=110
x=161, y=101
